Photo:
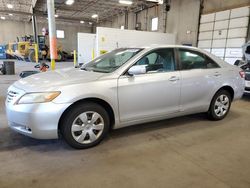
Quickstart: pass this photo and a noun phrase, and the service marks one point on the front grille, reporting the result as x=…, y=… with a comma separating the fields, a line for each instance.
x=11, y=96
x=247, y=76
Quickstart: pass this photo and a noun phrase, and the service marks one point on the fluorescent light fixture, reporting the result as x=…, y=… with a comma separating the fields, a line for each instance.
x=126, y=2
x=69, y=2
x=10, y=6
x=90, y=23
x=82, y=22
x=2, y=17
x=154, y=24
x=156, y=1
x=56, y=15
x=10, y=14
x=94, y=16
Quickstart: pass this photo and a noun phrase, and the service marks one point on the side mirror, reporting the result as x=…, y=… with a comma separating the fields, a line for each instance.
x=137, y=69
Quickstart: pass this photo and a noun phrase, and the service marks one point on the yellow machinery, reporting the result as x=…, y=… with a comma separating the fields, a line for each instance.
x=26, y=49
x=20, y=50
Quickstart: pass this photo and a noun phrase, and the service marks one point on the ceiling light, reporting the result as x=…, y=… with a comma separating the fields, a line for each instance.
x=10, y=6
x=90, y=23
x=56, y=15
x=69, y=2
x=10, y=14
x=94, y=16
x=126, y=2
x=156, y=1
x=2, y=17
x=81, y=22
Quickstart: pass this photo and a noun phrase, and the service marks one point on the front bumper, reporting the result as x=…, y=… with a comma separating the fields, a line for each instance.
x=35, y=120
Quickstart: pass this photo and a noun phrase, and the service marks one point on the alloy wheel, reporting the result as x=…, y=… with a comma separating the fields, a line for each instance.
x=221, y=105
x=87, y=127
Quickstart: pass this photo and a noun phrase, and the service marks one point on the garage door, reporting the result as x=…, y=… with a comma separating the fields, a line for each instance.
x=224, y=33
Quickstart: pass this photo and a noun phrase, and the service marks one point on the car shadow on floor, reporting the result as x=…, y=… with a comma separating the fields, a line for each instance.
x=10, y=140
x=173, y=126
x=246, y=97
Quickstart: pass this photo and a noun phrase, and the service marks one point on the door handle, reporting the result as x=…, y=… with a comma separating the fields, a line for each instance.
x=217, y=74
x=173, y=78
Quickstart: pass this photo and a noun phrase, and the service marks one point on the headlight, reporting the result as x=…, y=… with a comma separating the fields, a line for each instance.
x=42, y=97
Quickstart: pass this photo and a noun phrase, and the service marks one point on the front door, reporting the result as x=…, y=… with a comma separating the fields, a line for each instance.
x=155, y=93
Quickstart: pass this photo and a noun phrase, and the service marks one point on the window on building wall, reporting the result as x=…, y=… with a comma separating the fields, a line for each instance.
x=154, y=24
x=60, y=34
x=122, y=27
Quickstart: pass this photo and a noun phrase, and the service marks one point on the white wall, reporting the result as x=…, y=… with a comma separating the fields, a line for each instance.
x=109, y=38
x=86, y=44
x=9, y=30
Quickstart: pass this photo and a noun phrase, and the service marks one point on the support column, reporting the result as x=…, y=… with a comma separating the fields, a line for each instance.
x=126, y=19
x=34, y=26
x=52, y=32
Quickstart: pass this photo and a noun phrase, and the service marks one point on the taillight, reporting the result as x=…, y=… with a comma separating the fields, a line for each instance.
x=242, y=74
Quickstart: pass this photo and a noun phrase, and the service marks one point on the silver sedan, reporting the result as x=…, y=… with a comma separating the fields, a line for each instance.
x=124, y=87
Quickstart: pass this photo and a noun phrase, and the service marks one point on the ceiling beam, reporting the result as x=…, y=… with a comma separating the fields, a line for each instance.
x=16, y=12
x=62, y=18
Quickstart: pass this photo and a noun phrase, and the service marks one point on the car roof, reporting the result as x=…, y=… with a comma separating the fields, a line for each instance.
x=169, y=46
x=153, y=46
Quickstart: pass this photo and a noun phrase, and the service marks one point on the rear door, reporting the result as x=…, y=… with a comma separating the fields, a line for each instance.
x=200, y=78
x=153, y=94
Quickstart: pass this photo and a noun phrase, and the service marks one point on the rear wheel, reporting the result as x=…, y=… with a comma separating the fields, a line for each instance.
x=220, y=105
x=85, y=125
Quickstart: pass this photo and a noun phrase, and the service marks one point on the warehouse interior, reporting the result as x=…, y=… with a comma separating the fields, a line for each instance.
x=38, y=36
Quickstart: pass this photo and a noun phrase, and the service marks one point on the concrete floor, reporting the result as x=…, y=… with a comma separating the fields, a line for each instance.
x=183, y=152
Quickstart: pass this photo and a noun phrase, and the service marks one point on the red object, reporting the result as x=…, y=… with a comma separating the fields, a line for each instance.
x=43, y=68
x=242, y=74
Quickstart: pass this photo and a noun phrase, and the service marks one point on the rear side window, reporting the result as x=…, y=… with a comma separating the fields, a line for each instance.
x=194, y=60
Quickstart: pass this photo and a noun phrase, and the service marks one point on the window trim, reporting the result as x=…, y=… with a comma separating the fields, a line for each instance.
x=175, y=60
x=194, y=51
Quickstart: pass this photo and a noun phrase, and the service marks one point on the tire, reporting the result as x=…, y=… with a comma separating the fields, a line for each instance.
x=78, y=130
x=32, y=56
x=220, y=105
x=59, y=56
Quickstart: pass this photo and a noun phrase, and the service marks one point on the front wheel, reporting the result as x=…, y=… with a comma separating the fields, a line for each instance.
x=220, y=105
x=31, y=56
x=85, y=125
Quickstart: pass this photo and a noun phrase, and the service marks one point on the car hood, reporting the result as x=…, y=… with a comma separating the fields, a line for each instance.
x=53, y=79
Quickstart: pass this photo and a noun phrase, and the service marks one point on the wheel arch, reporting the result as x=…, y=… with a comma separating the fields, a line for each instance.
x=228, y=89
x=225, y=87
x=98, y=101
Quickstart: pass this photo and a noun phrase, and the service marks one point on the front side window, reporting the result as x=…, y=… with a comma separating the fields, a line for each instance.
x=111, y=61
x=195, y=60
x=161, y=60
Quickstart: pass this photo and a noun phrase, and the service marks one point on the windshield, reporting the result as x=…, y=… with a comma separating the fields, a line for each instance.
x=111, y=61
